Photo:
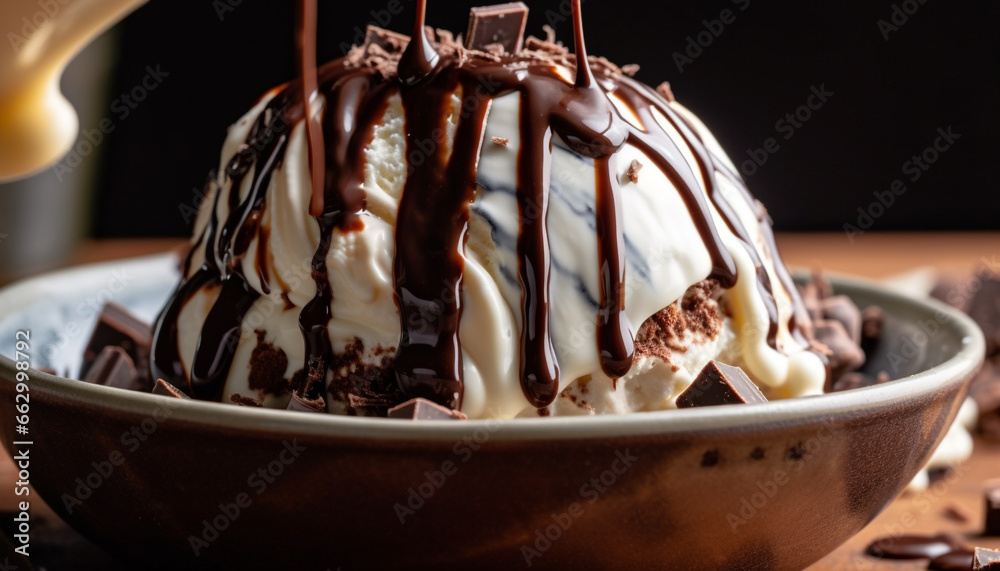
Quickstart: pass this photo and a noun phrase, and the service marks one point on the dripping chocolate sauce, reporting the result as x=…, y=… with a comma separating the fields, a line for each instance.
x=433, y=219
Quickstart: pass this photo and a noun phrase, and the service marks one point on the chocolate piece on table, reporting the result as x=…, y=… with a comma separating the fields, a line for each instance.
x=116, y=326
x=985, y=311
x=114, y=368
x=168, y=390
x=956, y=512
x=913, y=546
x=423, y=409
x=841, y=308
x=992, y=497
x=719, y=384
x=957, y=560
x=986, y=559
x=845, y=355
x=502, y=24
x=502, y=141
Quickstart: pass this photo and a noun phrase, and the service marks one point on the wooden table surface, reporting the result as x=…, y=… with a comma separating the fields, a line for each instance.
x=870, y=255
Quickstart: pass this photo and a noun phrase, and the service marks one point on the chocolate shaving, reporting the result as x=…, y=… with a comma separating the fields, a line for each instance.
x=667, y=93
x=630, y=69
x=502, y=25
x=633, y=171
x=502, y=141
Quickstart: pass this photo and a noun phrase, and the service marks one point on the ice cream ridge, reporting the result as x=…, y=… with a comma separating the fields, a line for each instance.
x=498, y=225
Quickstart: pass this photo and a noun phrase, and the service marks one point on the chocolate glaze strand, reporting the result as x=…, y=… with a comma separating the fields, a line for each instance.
x=420, y=57
x=351, y=100
x=431, y=231
x=306, y=52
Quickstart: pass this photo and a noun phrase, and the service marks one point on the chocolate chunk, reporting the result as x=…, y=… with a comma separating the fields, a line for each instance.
x=913, y=546
x=168, y=390
x=241, y=400
x=844, y=354
x=385, y=40
x=633, y=171
x=986, y=559
x=841, y=308
x=423, y=409
x=984, y=309
x=957, y=560
x=302, y=404
x=719, y=384
x=502, y=141
x=116, y=326
x=502, y=24
x=992, y=497
x=872, y=324
x=114, y=368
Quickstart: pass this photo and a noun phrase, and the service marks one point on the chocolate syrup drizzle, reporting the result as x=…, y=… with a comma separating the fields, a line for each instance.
x=434, y=211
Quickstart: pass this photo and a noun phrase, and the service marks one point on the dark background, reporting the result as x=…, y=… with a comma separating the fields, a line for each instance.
x=938, y=70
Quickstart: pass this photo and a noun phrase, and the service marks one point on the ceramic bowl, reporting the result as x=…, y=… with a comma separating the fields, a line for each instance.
x=191, y=484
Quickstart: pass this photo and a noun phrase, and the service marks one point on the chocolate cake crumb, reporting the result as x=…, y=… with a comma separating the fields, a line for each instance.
x=633, y=171
x=666, y=331
x=241, y=400
x=667, y=93
x=365, y=389
x=502, y=141
x=267, y=367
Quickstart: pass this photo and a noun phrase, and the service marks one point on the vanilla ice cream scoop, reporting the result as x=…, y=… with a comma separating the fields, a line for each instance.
x=502, y=231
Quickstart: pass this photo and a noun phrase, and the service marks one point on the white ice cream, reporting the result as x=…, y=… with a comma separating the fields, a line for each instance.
x=665, y=257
